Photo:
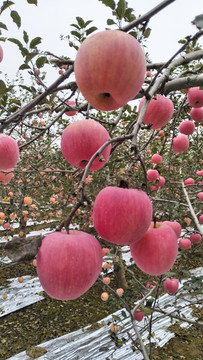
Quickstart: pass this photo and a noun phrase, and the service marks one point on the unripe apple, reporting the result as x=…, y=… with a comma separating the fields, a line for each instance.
x=171, y=286
x=9, y=152
x=120, y=291
x=175, y=226
x=1, y=53
x=80, y=141
x=200, y=195
x=156, y=158
x=195, y=97
x=20, y=279
x=155, y=253
x=27, y=200
x=114, y=328
x=104, y=296
x=148, y=74
x=195, y=238
x=187, y=127
x=189, y=181
x=68, y=264
x=196, y=114
x=180, y=143
x=71, y=112
x=5, y=178
x=159, y=111
x=185, y=243
x=110, y=69
x=138, y=315
x=122, y=216
x=152, y=175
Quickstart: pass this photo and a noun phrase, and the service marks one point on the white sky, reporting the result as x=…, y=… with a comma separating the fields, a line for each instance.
x=52, y=18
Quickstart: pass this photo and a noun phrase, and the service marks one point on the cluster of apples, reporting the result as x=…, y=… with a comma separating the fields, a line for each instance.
x=195, y=100
x=9, y=154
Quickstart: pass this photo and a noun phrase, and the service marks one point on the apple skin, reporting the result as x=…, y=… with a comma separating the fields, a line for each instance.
x=199, y=172
x=71, y=112
x=110, y=69
x=200, y=195
x=9, y=152
x=156, y=158
x=68, y=264
x=81, y=139
x=138, y=315
x=185, y=243
x=1, y=53
x=175, y=226
x=196, y=114
x=189, y=181
x=159, y=111
x=162, y=181
x=171, y=286
x=201, y=219
x=187, y=127
x=152, y=175
x=6, y=178
x=122, y=216
x=155, y=253
x=180, y=143
x=195, y=238
x=195, y=97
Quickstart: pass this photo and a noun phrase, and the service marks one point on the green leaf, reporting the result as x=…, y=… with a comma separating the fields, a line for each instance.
x=116, y=318
x=88, y=22
x=30, y=56
x=110, y=22
x=32, y=2
x=80, y=21
x=109, y=3
x=3, y=88
x=6, y=5
x=121, y=8
x=76, y=26
x=16, y=18
x=76, y=34
x=3, y=26
x=147, y=33
x=25, y=37
x=27, y=88
x=41, y=61
x=17, y=42
x=34, y=42
x=91, y=30
x=24, y=67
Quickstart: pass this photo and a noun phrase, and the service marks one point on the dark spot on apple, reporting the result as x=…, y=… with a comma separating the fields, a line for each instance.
x=106, y=94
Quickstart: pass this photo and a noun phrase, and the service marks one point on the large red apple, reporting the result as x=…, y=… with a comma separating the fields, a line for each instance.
x=175, y=226
x=195, y=97
x=171, y=286
x=196, y=114
x=71, y=112
x=9, y=152
x=122, y=216
x=81, y=139
x=110, y=69
x=180, y=143
x=5, y=178
x=1, y=53
x=159, y=111
x=195, y=238
x=68, y=264
x=187, y=127
x=155, y=253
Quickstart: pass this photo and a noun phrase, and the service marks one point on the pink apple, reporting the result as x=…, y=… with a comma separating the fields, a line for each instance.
x=71, y=112
x=148, y=152
x=5, y=178
x=1, y=53
x=189, y=181
x=175, y=226
x=68, y=264
x=187, y=127
x=159, y=111
x=104, y=296
x=9, y=152
x=201, y=219
x=148, y=73
x=196, y=114
x=122, y=216
x=195, y=238
x=152, y=175
x=110, y=69
x=200, y=195
x=161, y=181
x=185, y=243
x=199, y=172
x=155, y=187
x=120, y=292
x=180, y=143
x=171, y=286
x=195, y=97
x=81, y=139
x=155, y=253
x=138, y=315
x=156, y=158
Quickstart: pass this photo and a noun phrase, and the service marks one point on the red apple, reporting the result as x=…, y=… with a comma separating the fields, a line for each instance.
x=196, y=114
x=122, y=216
x=152, y=175
x=189, y=181
x=175, y=226
x=200, y=195
x=104, y=296
x=199, y=172
x=9, y=152
x=201, y=219
x=161, y=181
x=138, y=315
x=81, y=139
x=68, y=264
x=195, y=97
x=156, y=158
x=180, y=143
x=5, y=178
x=110, y=69
x=195, y=238
x=185, y=243
x=187, y=127
x=155, y=253
x=159, y=111
x=1, y=53
x=71, y=112
x=148, y=74
x=171, y=286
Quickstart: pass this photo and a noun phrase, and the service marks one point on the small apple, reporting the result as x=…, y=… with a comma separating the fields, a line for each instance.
x=156, y=158
x=110, y=69
x=71, y=112
x=6, y=178
x=105, y=251
x=148, y=74
x=200, y=195
x=27, y=200
x=9, y=152
x=185, y=243
x=7, y=225
x=171, y=286
x=2, y=215
x=195, y=238
x=107, y=280
x=114, y=328
x=138, y=315
x=199, y=172
x=20, y=279
x=161, y=181
x=187, y=127
x=104, y=296
x=189, y=181
x=196, y=114
x=180, y=143
x=195, y=97
x=120, y=291
x=152, y=175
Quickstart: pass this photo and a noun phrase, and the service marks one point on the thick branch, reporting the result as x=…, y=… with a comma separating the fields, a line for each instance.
x=183, y=83
x=192, y=210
